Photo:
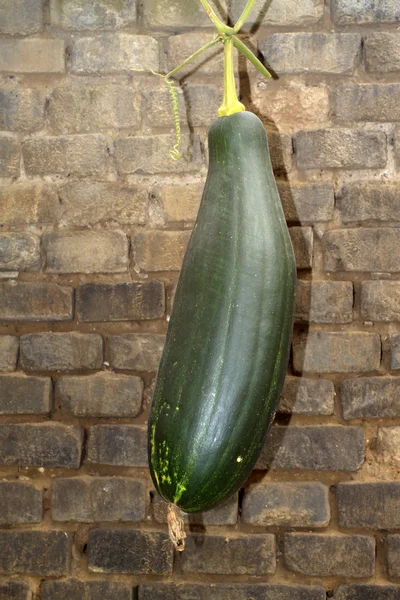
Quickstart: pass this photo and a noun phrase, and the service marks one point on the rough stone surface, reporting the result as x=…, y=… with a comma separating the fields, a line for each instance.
x=294, y=105
x=100, y=395
x=294, y=12
x=160, y=250
x=135, y=351
x=28, y=204
x=368, y=102
x=61, y=351
x=369, y=505
x=318, y=448
x=180, y=202
x=19, y=251
x=98, y=14
x=228, y=555
x=15, y=591
x=21, y=16
x=361, y=591
x=10, y=153
x=269, y=504
x=388, y=446
x=307, y=203
x=181, y=46
x=41, y=445
x=371, y=202
x=303, y=242
x=120, y=301
x=281, y=152
x=236, y=591
x=336, y=352
x=371, y=397
x=382, y=52
x=324, y=302
x=85, y=590
x=32, y=55
x=98, y=499
x=130, y=551
x=9, y=346
x=24, y=395
x=307, y=396
x=224, y=514
x=21, y=109
x=330, y=555
x=39, y=553
x=118, y=445
x=177, y=14
x=395, y=352
x=20, y=502
x=380, y=300
x=365, y=11
x=35, y=302
x=393, y=555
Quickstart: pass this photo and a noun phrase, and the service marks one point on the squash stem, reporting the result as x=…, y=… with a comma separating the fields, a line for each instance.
x=218, y=24
x=176, y=527
x=230, y=104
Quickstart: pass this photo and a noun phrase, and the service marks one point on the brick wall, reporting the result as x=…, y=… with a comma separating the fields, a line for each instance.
x=95, y=218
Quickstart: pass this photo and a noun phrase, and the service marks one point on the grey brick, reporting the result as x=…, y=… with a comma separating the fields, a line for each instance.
x=21, y=109
x=41, y=445
x=135, y=351
x=86, y=251
x=340, y=149
x=324, y=302
x=61, y=351
x=307, y=396
x=24, y=395
x=305, y=203
x=160, y=250
x=374, y=249
x=336, y=352
x=39, y=553
x=388, y=446
x=314, y=448
x=20, y=301
x=224, y=514
x=15, y=591
x=369, y=505
x=393, y=555
x=32, y=55
x=371, y=397
x=184, y=45
x=20, y=502
x=380, y=300
x=28, y=203
x=395, y=352
x=118, y=445
x=369, y=202
x=361, y=591
x=19, y=251
x=176, y=14
x=81, y=155
x=382, y=52
x=100, y=395
x=110, y=551
x=281, y=151
x=291, y=53
x=330, y=555
x=98, y=14
x=85, y=590
x=114, y=53
x=269, y=504
x=303, y=242
x=9, y=346
x=88, y=499
x=365, y=11
x=21, y=16
x=369, y=102
x=223, y=591
x=10, y=152
x=293, y=13
x=120, y=301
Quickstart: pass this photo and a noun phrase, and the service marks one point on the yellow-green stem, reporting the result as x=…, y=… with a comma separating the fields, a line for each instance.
x=219, y=26
x=230, y=104
x=243, y=16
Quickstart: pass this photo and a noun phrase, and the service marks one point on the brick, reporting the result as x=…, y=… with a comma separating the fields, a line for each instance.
x=380, y=300
x=307, y=203
x=294, y=13
x=81, y=108
x=374, y=249
x=100, y=395
x=307, y=396
x=21, y=16
x=19, y=251
x=99, y=14
x=20, y=503
x=21, y=109
x=393, y=555
x=369, y=505
x=388, y=446
x=28, y=204
x=160, y=250
x=94, y=499
x=32, y=55
x=61, y=351
x=181, y=46
x=15, y=591
x=39, y=553
x=320, y=448
x=371, y=397
x=10, y=153
x=110, y=551
x=336, y=352
x=382, y=52
x=224, y=514
x=81, y=155
x=340, y=149
x=118, y=445
x=303, y=242
x=180, y=203
x=286, y=505
x=345, y=12
x=41, y=445
x=9, y=346
x=281, y=151
x=150, y=154
x=114, y=53
x=135, y=351
x=176, y=14
x=291, y=53
x=324, y=302
x=236, y=591
x=291, y=104
x=20, y=301
x=369, y=202
x=85, y=590
x=86, y=204
x=86, y=252
x=230, y=555
x=395, y=352
x=367, y=592
x=120, y=301
x=368, y=102
x=24, y=395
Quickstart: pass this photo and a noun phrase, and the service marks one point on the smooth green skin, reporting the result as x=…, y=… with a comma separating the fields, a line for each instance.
x=228, y=340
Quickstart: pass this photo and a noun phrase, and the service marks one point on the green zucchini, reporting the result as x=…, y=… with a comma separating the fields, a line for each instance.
x=227, y=346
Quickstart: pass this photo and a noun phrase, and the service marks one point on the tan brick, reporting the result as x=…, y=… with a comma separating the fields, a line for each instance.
x=32, y=56
x=292, y=104
x=10, y=154
x=26, y=301
x=388, y=446
x=302, y=240
x=382, y=52
x=177, y=14
x=289, y=13
x=180, y=202
x=183, y=45
x=9, y=345
x=21, y=109
x=160, y=250
x=324, y=302
x=28, y=204
x=20, y=251
x=304, y=203
x=21, y=16
x=96, y=14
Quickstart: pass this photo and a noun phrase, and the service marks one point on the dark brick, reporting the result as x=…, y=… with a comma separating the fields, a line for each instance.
x=28, y=203
x=19, y=251
x=24, y=395
x=324, y=302
x=225, y=514
x=382, y=52
x=88, y=499
x=226, y=555
x=21, y=301
x=15, y=591
x=72, y=589
x=368, y=102
x=369, y=505
x=119, y=445
x=100, y=395
x=371, y=397
x=367, y=202
x=281, y=151
x=380, y=300
x=330, y=555
x=32, y=55
x=307, y=396
x=99, y=14
x=393, y=555
x=320, y=448
x=61, y=351
x=310, y=203
x=21, y=109
x=41, y=445
x=361, y=591
x=130, y=551
x=120, y=301
x=20, y=502
x=303, y=241
x=40, y=553
x=269, y=504
x=10, y=153
x=21, y=16
x=364, y=11
x=395, y=352
x=9, y=345
x=135, y=351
